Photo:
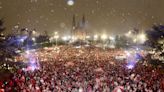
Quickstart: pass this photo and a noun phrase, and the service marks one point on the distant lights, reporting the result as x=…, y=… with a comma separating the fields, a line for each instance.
x=104, y=37
x=111, y=38
x=142, y=37
x=95, y=37
x=56, y=36
x=129, y=33
x=34, y=39
x=88, y=37
x=65, y=38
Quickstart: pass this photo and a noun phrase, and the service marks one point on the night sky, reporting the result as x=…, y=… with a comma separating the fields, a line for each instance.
x=103, y=16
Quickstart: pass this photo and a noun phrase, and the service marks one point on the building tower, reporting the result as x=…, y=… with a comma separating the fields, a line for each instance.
x=79, y=29
x=73, y=26
x=83, y=21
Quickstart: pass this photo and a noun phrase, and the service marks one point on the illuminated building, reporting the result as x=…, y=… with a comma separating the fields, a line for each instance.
x=79, y=29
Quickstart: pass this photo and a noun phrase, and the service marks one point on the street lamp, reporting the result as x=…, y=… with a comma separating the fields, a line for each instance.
x=111, y=38
x=104, y=37
x=129, y=33
x=95, y=37
x=74, y=38
x=56, y=36
x=33, y=39
x=112, y=41
x=142, y=37
x=51, y=39
x=65, y=38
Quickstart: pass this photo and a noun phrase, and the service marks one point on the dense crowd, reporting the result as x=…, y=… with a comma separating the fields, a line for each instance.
x=69, y=69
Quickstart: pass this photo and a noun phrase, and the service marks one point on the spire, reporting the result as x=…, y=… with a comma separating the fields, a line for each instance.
x=74, y=22
x=73, y=26
x=83, y=20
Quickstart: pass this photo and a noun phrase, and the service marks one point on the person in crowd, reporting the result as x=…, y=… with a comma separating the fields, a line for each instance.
x=84, y=70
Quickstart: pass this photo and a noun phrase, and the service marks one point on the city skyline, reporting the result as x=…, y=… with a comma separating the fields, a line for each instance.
x=103, y=16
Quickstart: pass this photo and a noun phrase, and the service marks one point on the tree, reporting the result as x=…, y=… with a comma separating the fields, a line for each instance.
x=155, y=35
x=2, y=28
x=121, y=41
x=42, y=38
x=6, y=50
x=156, y=41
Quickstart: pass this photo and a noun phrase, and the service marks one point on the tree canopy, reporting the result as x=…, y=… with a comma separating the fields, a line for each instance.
x=2, y=28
